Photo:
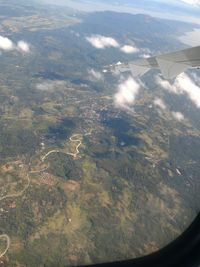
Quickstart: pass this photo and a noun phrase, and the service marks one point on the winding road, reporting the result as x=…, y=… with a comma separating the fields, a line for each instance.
x=7, y=238
x=73, y=138
x=19, y=193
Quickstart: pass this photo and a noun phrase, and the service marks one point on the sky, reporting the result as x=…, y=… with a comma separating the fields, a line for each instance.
x=188, y=2
x=182, y=10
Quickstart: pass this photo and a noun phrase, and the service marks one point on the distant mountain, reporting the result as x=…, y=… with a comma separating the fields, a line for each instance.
x=157, y=5
x=164, y=9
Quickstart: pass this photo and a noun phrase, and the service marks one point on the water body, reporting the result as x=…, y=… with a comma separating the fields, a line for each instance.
x=191, y=38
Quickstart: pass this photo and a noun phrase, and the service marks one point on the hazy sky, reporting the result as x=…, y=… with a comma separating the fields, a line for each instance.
x=183, y=10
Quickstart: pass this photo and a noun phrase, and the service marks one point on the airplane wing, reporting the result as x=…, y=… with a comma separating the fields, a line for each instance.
x=170, y=64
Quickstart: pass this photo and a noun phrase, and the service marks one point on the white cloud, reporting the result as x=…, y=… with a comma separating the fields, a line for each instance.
x=75, y=33
x=145, y=56
x=196, y=78
x=165, y=84
x=6, y=44
x=183, y=85
x=101, y=42
x=128, y=49
x=178, y=116
x=145, y=53
x=160, y=103
x=146, y=50
x=51, y=86
x=127, y=92
x=191, y=2
x=95, y=75
x=23, y=47
x=45, y=86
